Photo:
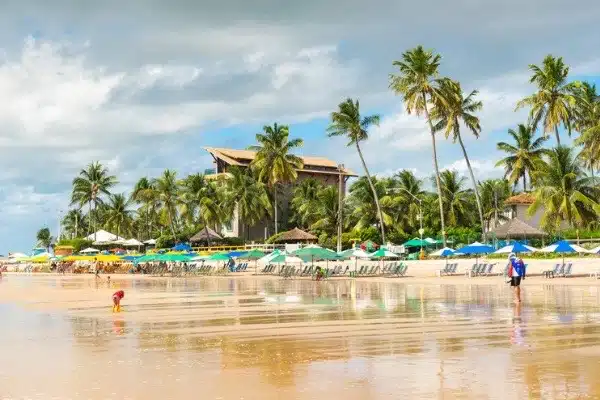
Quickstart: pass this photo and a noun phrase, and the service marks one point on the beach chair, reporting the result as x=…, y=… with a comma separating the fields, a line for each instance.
x=567, y=272
x=551, y=273
x=402, y=272
x=488, y=271
x=471, y=272
x=561, y=270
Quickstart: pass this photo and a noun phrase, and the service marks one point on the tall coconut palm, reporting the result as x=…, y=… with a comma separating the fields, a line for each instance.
x=200, y=202
x=493, y=194
x=326, y=210
x=144, y=194
x=89, y=186
x=563, y=191
x=273, y=162
x=587, y=122
x=553, y=103
x=457, y=199
x=72, y=220
x=524, y=156
x=362, y=198
x=347, y=121
x=417, y=81
x=454, y=111
x=44, y=238
x=406, y=188
x=303, y=201
x=119, y=214
x=166, y=188
x=246, y=196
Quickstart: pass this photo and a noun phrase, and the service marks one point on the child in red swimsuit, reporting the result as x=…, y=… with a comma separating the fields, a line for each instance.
x=117, y=296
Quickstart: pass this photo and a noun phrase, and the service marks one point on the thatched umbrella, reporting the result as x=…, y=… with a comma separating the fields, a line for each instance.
x=296, y=235
x=516, y=228
x=205, y=235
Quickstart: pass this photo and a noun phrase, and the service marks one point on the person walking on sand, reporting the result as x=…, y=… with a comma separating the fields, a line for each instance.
x=516, y=273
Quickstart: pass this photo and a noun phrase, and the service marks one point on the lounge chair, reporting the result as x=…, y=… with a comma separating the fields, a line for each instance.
x=473, y=271
x=551, y=273
x=567, y=272
x=561, y=270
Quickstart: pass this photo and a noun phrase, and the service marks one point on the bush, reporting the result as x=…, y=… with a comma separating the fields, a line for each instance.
x=273, y=238
x=232, y=241
x=371, y=233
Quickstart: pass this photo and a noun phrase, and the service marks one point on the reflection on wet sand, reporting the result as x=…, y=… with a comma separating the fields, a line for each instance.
x=234, y=338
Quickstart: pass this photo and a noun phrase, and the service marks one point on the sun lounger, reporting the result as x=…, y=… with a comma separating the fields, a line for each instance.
x=473, y=271
x=567, y=272
x=551, y=273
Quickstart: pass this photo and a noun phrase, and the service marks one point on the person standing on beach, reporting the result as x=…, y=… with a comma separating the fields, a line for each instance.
x=117, y=297
x=516, y=273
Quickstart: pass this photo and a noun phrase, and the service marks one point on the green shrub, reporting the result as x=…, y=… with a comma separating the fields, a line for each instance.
x=78, y=244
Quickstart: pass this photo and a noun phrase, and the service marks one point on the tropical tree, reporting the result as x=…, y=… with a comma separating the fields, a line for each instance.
x=303, y=201
x=144, y=193
x=563, y=191
x=361, y=200
x=44, y=238
x=119, y=215
x=418, y=81
x=166, y=188
x=587, y=121
x=456, y=110
x=273, y=162
x=247, y=197
x=326, y=210
x=457, y=199
x=89, y=186
x=71, y=222
x=200, y=202
x=404, y=190
x=553, y=103
x=347, y=121
x=524, y=156
x=493, y=194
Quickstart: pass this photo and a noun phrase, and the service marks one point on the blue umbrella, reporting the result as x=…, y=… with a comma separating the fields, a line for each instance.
x=182, y=247
x=562, y=246
x=516, y=248
x=476, y=248
x=130, y=258
x=236, y=253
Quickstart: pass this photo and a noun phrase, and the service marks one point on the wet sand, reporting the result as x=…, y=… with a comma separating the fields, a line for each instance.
x=269, y=338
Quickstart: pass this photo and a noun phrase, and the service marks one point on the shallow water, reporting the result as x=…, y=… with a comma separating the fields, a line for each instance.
x=273, y=339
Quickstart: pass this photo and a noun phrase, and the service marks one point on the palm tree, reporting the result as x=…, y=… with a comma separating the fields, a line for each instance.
x=587, y=121
x=406, y=188
x=89, y=186
x=326, y=210
x=303, y=201
x=200, y=202
x=418, y=83
x=247, y=196
x=362, y=198
x=493, y=194
x=450, y=114
x=166, y=189
x=119, y=215
x=72, y=220
x=457, y=199
x=44, y=238
x=524, y=156
x=553, y=102
x=273, y=163
x=144, y=193
x=348, y=122
x=563, y=191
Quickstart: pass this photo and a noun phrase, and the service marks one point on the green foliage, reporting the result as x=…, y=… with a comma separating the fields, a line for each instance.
x=463, y=235
x=43, y=237
x=370, y=233
x=273, y=238
x=78, y=244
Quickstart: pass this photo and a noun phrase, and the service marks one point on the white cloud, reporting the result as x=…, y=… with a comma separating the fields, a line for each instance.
x=482, y=169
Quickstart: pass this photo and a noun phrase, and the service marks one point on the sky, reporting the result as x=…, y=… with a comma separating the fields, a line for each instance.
x=143, y=85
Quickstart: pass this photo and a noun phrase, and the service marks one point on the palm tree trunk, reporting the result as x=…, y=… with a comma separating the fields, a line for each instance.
x=437, y=173
x=379, y=214
x=557, y=135
x=477, y=199
x=171, y=221
x=275, y=208
x=206, y=231
x=94, y=224
x=525, y=182
x=90, y=217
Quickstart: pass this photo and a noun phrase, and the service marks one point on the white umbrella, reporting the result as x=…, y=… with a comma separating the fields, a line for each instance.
x=133, y=243
x=89, y=250
x=150, y=242
x=17, y=255
x=445, y=252
x=595, y=250
x=103, y=236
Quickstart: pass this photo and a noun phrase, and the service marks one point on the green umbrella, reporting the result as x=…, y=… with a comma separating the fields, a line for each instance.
x=218, y=257
x=417, y=243
x=316, y=253
x=174, y=257
x=147, y=258
x=252, y=255
x=383, y=253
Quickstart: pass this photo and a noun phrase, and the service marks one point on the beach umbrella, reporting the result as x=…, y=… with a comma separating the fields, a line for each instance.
x=357, y=253
x=595, y=250
x=417, y=243
x=267, y=259
x=475, y=248
x=182, y=247
x=445, y=252
x=236, y=253
x=150, y=242
x=253, y=255
x=383, y=253
x=563, y=247
x=89, y=250
x=516, y=248
x=287, y=258
x=218, y=257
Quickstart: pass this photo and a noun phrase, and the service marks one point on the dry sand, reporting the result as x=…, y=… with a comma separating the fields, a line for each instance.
x=262, y=338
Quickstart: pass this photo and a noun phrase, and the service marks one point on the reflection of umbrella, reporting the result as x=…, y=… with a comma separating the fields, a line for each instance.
x=516, y=248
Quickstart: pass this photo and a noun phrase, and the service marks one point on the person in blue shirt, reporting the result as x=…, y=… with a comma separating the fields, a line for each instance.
x=516, y=273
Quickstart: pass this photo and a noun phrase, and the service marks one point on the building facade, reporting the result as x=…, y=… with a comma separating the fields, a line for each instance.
x=326, y=171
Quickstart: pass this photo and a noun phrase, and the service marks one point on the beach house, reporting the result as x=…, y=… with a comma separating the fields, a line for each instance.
x=322, y=169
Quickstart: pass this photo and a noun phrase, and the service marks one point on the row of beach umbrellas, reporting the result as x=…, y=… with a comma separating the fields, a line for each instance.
x=477, y=248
